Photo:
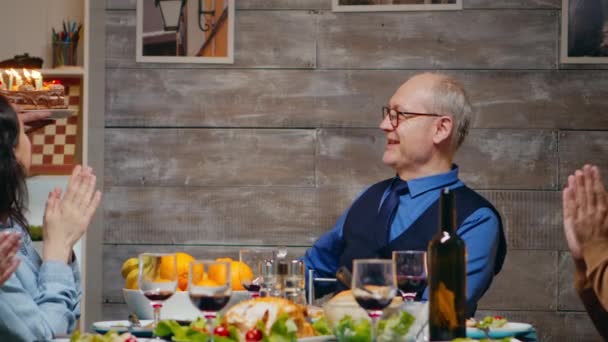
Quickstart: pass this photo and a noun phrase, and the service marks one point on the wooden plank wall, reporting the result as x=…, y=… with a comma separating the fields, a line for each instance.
x=270, y=150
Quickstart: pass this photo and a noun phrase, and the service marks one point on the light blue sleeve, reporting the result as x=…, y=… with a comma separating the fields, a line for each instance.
x=75, y=267
x=54, y=311
x=480, y=232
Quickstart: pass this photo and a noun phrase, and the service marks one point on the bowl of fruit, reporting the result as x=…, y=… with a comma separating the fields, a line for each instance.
x=178, y=306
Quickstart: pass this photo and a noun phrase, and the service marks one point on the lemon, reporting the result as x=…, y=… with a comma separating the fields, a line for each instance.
x=131, y=280
x=128, y=266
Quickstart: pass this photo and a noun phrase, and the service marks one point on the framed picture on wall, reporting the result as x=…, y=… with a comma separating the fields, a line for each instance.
x=584, y=37
x=185, y=31
x=395, y=5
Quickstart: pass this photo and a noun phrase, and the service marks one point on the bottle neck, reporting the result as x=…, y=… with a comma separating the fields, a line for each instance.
x=447, y=212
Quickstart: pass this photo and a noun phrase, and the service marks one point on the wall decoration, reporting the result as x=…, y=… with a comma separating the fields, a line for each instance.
x=57, y=147
x=185, y=31
x=395, y=5
x=584, y=37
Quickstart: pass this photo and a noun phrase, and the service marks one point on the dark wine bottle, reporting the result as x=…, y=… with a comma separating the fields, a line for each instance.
x=447, y=276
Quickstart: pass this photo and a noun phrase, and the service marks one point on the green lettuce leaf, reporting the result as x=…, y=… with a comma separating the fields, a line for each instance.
x=349, y=330
x=321, y=326
x=393, y=328
x=282, y=330
x=166, y=328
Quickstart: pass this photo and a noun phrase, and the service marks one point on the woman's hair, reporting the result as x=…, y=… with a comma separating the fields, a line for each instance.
x=13, y=189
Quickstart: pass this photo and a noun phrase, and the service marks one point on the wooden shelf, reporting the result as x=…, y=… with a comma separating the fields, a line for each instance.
x=66, y=71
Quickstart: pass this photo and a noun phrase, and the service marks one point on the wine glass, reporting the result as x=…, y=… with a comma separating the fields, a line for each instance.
x=254, y=258
x=411, y=272
x=374, y=286
x=157, y=279
x=209, y=288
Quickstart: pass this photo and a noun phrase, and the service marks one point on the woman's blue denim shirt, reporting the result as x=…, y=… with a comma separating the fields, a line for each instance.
x=41, y=299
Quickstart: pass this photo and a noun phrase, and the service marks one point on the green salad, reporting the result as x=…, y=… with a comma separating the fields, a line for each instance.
x=110, y=336
x=491, y=322
x=282, y=330
x=390, y=329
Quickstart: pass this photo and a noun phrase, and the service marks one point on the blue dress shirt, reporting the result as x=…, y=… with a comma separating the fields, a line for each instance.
x=480, y=232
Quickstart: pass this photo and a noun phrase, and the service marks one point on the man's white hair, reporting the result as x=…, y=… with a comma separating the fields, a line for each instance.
x=450, y=98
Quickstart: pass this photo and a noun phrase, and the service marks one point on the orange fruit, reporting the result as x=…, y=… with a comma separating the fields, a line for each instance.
x=239, y=272
x=206, y=282
x=131, y=280
x=182, y=261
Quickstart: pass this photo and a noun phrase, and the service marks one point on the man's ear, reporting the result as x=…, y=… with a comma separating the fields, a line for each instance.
x=443, y=129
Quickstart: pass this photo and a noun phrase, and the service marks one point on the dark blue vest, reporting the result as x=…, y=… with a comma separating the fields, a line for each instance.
x=363, y=238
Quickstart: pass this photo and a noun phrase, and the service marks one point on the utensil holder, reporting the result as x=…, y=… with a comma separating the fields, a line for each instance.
x=64, y=53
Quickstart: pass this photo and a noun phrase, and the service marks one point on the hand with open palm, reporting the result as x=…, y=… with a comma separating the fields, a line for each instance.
x=585, y=205
x=66, y=218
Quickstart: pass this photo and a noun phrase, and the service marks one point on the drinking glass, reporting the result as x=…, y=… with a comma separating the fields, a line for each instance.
x=254, y=257
x=411, y=272
x=374, y=286
x=209, y=288
x=157, y=279
x=295, y=282
x=268, y=273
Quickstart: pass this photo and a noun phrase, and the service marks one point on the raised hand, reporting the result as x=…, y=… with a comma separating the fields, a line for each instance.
x=585, y=209
x=67, y=218
x=9, y=244
x=570, y=218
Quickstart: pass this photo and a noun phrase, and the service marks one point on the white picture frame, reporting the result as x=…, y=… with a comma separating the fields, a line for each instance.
x=154, y=43
x=388, y=5
x=579, y=42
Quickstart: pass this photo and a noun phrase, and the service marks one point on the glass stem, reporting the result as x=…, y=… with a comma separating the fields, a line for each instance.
x=156, y=307
x=374, y=316
x=210, y=316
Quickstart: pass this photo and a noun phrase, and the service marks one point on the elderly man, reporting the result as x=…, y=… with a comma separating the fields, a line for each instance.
x=425, y=122
x=585, y=203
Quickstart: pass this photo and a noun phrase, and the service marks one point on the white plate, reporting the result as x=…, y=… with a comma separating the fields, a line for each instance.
x=55, y=113
x=122, y=326
x=317, y=338
x=509, y=329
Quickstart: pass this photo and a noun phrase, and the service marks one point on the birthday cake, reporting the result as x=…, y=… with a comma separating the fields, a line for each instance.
x=28, y=91
x=27, y=97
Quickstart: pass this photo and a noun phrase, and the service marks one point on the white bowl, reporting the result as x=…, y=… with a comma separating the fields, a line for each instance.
x=177, y=307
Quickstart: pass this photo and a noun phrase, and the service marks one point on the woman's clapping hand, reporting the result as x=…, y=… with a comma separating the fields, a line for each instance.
x=67, y=218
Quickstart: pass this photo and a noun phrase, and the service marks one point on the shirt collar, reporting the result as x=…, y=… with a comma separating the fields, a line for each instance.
x=421, y=185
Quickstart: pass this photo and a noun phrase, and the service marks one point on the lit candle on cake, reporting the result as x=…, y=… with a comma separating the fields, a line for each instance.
x=10, y=79
x=26, y=76
x=37, y=76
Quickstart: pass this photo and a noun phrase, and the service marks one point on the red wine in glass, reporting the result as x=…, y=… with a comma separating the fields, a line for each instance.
x=158, y=296
x=411, y=284
x=251, y=287
x=374, y=303
x=209, y=303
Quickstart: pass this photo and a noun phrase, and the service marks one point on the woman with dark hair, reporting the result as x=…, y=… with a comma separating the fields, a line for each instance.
x=42, y=298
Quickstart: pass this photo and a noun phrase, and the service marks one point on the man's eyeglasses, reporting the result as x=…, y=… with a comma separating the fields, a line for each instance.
x=393, y=115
